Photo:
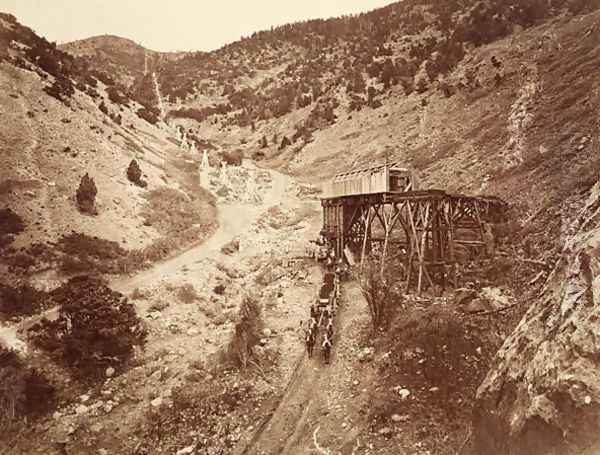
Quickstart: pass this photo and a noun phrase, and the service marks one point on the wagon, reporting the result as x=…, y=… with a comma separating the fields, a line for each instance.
x=325, y=295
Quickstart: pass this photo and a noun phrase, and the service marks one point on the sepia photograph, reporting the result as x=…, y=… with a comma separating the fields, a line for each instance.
x=326, y=227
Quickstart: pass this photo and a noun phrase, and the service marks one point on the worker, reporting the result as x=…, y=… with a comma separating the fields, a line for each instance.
x=326, y=349
x=310, y=342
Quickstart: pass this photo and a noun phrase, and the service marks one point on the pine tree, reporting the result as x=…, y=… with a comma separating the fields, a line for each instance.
x=284, y=143
x=103, y=107
x=86, y=195
x=134, y=173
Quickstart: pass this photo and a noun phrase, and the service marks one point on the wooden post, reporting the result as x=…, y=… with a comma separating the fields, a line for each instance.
x=422, y=249
x=342, y=228
x=390, y=221
x=366, y=233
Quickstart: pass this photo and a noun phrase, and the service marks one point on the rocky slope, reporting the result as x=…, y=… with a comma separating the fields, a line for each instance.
x=541, y=395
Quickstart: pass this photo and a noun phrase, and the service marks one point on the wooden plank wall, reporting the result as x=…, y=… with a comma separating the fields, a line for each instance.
x=364, y=183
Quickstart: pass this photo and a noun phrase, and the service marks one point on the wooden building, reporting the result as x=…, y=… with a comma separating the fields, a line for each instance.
x=381, y=178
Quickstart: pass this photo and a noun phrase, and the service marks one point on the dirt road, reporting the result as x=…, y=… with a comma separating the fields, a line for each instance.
x=233, y=219
x=312, y=398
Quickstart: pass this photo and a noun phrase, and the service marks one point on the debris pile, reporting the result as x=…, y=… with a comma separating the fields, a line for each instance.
x=235, y=184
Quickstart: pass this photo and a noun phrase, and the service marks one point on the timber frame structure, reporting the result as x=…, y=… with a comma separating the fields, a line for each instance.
x=423, y=229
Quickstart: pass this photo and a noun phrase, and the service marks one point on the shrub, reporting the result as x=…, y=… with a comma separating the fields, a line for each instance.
x=134, y=174
x=117, y=118
x=446, y=88
x=246, y=333
x=233, y=158
x=103, y=108
x=284, y=143
x=10, y=224
x=187, y=294
x=23, y=391
x=21, y=300
x=376, y=287
x=86, y=254
x=219, y=289
x=151, y=115
x=61, y=89
x=96, y=327
x=115, y=95
x=86, y=195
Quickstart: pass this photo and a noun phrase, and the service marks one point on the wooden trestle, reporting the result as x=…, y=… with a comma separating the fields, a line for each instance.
x=421, y=228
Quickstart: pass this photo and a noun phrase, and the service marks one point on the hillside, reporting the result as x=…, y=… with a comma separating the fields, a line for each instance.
x=59, y=123
x=121, y=57
x=438, y=86
x=468, y=94
x=480, y=98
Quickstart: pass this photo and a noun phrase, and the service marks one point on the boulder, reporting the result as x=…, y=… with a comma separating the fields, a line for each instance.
x=366, y=354
x=81, y=409
x=386, y=432
x=476, y=306
x=463, y=296
x=231, y=247
x=542, y=394
x=397, y=418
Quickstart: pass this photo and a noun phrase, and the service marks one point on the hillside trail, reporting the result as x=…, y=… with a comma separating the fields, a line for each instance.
x=311, y=401
x=233, y=219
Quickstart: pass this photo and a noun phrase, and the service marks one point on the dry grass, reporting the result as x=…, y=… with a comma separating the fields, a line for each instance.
x=181, y=220
x=172, y=212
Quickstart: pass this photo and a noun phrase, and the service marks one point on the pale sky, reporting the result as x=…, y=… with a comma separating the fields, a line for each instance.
x=170, y=25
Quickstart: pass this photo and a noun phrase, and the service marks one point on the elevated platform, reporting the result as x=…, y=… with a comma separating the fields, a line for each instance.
x=425, y=227
x=397, y=196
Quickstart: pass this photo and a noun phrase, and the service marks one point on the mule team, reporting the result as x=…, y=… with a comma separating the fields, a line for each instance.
x=320, y=328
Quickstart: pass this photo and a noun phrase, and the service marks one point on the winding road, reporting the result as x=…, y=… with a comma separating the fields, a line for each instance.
x=234, y=219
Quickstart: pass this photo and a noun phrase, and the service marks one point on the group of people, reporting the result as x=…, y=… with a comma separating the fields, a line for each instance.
x=322, y=316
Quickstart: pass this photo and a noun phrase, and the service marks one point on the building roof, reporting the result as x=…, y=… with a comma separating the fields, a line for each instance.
x=367, y=170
